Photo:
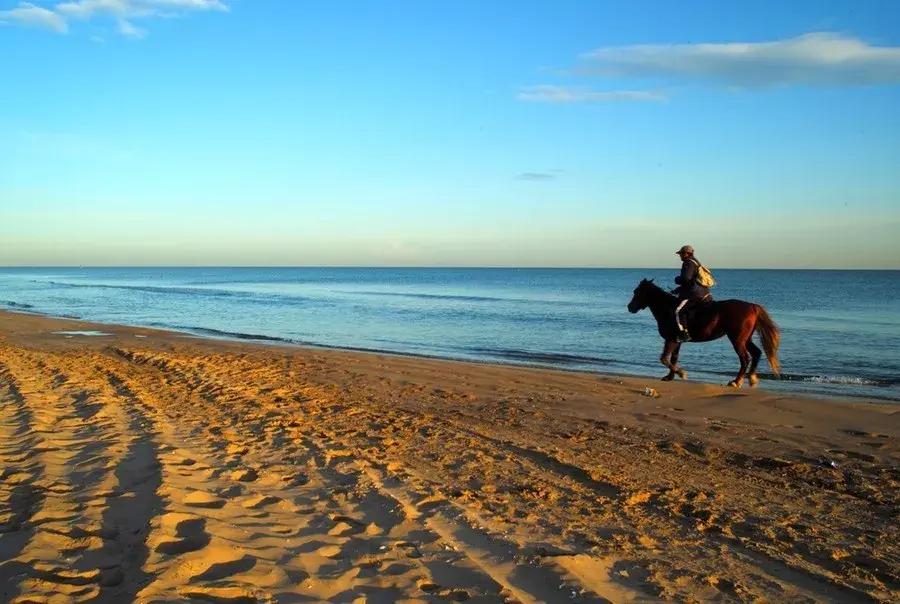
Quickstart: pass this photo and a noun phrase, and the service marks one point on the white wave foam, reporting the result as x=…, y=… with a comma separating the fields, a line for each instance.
x=853, y=381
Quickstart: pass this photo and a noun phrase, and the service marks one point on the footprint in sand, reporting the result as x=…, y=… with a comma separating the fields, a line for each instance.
x=178, y=460
x=260, y=501
x=59, y=488
x=182, y=533
x=410, y=549
x=55, y=574
x=398, y=569
x=454, y=595
x=296, y=480
x=50, y=515
x=16, y=478
x=245, y=475
x=853, y=455
x=235, y=490
x=346, y=525
x=229, y=595
x=330, y=551
x=175, y=547
x=457, y=595
x=223, y=569
x=874, y=444
x=431, y=503
x=235, y=449
x=373, y=530
x=199, y=499
x=341, y=529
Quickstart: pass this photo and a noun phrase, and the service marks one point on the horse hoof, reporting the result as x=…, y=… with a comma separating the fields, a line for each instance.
x=753, y=381
x=682, y=375
x=668, y=378
x=734, y=384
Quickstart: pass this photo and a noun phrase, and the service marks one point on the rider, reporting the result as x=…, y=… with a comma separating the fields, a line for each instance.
x=689, y=290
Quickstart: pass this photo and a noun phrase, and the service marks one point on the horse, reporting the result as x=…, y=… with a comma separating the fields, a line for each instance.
x=736, y=319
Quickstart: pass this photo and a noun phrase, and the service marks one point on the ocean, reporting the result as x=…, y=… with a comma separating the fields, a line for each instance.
x=840, y=329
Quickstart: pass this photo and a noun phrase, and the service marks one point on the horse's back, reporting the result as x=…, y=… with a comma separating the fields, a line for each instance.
x=731, y=314
x=733, y=304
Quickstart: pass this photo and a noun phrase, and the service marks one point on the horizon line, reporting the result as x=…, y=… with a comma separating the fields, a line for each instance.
x=673, y=266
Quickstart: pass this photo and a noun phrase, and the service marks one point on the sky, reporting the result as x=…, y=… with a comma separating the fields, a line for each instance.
x=463, y=133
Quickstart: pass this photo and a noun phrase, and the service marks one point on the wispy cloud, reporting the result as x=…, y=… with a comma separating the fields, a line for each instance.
x=31, y=15
x=85, y=9
x=563, y=94
x=122, y=12
x=536, y=176
x=127, y=29
x=815, y=59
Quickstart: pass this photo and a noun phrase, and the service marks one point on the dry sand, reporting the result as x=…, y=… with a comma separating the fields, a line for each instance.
x=153, y=467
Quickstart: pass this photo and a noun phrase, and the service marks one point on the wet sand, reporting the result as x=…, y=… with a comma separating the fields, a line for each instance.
x=153, y=466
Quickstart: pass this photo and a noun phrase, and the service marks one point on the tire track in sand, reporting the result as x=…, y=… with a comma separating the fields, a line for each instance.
x=449, y=537
x=21, y=494
x=299, y=524
x=84, y=430
x=132, y=505
x=356, y=429
x=252, y=483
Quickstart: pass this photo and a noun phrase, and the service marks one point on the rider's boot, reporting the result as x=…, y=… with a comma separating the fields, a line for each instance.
x=681, y=332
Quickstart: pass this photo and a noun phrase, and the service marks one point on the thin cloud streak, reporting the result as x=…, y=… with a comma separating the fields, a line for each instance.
x=85, y=9
x=123, y=12
x=127, y=29
x=562, y=94
x=813, y=59
x=536, y=176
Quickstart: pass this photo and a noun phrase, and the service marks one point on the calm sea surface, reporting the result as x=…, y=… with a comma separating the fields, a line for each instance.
x=840, y=329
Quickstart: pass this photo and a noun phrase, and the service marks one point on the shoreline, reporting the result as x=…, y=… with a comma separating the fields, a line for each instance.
x=431, y=268
x=807, y=388
x=180, y=467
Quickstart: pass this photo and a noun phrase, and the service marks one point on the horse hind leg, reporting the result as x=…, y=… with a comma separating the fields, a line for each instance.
x=740, y=347
x=755, y=355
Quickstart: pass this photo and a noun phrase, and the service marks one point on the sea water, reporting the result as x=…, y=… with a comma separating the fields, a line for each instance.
x=840, y=329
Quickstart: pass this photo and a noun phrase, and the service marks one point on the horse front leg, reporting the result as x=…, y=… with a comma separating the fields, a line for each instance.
x=668, y=349
x=678, y=370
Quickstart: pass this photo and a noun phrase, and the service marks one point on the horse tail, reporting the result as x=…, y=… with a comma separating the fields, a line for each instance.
x=770, y=336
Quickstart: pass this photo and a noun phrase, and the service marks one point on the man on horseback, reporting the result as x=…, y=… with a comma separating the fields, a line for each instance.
x=689, y=289
x=736, y=319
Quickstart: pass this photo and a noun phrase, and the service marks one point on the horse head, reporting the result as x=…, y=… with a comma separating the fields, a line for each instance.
x=641, y=299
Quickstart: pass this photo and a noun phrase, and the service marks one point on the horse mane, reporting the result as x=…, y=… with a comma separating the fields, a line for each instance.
x=657, y=291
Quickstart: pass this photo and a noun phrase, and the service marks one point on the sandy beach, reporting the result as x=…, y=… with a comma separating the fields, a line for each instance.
x=154, y=467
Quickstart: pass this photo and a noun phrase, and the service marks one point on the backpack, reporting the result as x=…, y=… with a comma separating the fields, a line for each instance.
x=704, y=278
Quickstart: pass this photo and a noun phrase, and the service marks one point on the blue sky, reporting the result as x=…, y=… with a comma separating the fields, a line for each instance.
x=576, y=133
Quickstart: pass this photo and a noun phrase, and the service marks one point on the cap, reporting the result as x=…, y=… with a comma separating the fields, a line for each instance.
x=685, y=249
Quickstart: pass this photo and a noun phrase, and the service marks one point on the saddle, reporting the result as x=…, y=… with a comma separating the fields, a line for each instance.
x=689, y=314
x=695, y=307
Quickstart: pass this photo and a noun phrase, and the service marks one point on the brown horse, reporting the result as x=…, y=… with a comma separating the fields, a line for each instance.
x=733, y=318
